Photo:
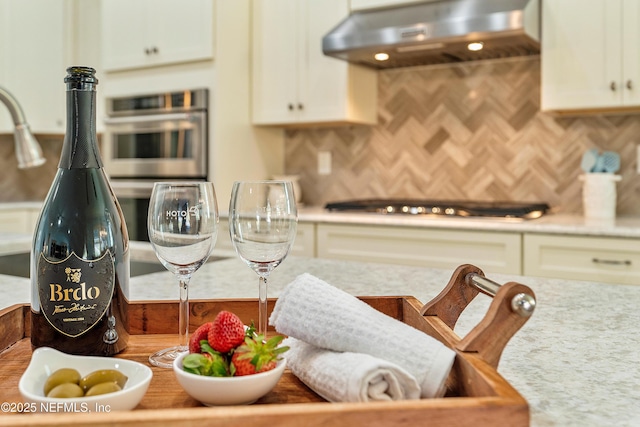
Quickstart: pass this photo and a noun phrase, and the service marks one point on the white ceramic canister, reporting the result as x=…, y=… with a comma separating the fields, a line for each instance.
x=599, y=196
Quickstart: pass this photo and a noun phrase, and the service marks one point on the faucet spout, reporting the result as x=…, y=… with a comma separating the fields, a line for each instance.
x=28, y=151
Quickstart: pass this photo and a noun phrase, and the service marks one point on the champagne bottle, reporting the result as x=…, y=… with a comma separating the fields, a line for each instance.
x=80, y=254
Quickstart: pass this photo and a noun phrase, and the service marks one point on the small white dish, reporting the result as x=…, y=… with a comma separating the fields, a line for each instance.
x=45, y=361
x=219, y=391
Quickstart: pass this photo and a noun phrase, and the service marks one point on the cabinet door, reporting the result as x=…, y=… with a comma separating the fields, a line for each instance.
x=183, y=33
x=275, y=66
x=581, y=54
x=293, y=81
x=35, y=49
x=143, y=33
x=600, y=259
x=323, y=80
x=631, y=45
x=491, y=251
x=125, y=40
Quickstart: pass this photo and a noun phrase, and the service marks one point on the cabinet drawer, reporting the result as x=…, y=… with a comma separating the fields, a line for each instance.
x=601, y=259
x=493, y=252
x=18, y=220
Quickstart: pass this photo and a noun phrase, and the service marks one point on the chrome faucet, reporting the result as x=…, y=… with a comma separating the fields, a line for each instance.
x=28, y=150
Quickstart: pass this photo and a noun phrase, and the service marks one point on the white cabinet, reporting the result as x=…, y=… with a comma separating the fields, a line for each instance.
x=35, y=50
x=293, y=81
x=590, y=54
x=494, y=252
x=375, y=4
x=144, y=33
x=601, y=259
x=18, y=220
x=304, y=245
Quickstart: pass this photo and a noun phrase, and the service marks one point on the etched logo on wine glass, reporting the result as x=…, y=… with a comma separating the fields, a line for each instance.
x=192, y=211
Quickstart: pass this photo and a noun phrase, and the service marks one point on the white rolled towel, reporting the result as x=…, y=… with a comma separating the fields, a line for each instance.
x=313, y=311
x=349, y=377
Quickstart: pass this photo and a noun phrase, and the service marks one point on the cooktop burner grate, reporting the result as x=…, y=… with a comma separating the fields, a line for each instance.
x=443, y=207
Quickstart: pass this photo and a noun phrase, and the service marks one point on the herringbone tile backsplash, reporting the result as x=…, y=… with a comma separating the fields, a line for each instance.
x=471, y=131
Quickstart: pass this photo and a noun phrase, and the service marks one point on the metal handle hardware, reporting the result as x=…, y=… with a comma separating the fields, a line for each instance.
x=521, y=304
x=290, y=107
x=613, y=86
x=611, y=261
x=629, y=84
x=190, y=117
x=300, y=106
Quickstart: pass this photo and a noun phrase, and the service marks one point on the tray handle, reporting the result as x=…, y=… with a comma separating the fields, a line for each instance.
x=513, y=303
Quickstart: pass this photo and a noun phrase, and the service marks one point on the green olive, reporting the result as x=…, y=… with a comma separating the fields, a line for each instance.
x=103, y=388
x=61, y=376
x=66, y=390
x=103, y=376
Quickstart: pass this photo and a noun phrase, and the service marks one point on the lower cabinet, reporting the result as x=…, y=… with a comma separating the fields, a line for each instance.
x=600, y=259
x=18, y=220
x=493, y=252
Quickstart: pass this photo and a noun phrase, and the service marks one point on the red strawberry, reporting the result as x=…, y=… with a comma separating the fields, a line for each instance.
x=226, y=333
x=255, y=355
x=201, y=333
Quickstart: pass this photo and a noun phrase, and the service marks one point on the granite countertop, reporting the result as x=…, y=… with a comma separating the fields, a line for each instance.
x=576, y=361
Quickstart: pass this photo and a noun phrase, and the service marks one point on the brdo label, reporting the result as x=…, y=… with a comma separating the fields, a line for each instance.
x=75, y=293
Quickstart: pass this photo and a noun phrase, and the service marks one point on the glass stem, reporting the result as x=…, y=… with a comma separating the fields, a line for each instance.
x=262, y=306
x=184, y=312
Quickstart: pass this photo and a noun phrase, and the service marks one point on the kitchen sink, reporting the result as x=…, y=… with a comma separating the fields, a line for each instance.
x=18, y=265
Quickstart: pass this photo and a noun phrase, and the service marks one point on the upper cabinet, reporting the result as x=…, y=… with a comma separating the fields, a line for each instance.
x=35, y=49
x=294, y=83
x=590, y=63
x=145, y=33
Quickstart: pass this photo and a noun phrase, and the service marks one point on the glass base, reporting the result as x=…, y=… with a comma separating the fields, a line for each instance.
x=164, y=358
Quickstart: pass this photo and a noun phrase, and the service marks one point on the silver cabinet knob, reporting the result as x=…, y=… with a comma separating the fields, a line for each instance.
x=300, y=106
x=612, y=86
x=290, y=106
x=629, y=85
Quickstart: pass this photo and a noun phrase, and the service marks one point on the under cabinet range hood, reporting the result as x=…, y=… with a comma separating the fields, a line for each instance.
x=436, y=32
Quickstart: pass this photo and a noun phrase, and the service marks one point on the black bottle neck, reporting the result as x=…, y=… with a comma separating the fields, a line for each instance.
x=80, y=147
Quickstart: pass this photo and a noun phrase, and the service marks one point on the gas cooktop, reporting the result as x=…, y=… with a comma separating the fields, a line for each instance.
x=443, y=207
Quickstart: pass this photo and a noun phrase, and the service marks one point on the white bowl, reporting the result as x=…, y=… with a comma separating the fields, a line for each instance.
x=218, y=391
x=45, y=361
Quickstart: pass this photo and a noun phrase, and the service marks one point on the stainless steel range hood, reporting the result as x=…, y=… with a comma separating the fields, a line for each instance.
x=437, y=32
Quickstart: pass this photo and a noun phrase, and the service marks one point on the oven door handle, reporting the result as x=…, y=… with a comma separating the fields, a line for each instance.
x=191, y=117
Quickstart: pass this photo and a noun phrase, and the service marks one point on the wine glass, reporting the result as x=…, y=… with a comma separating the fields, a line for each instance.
x=183, y=226
x=262, y=223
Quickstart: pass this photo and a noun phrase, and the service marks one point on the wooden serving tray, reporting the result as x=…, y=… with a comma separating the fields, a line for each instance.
x=477, y=394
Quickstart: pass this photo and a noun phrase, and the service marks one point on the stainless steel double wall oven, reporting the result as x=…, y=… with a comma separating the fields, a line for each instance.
x=149, y=138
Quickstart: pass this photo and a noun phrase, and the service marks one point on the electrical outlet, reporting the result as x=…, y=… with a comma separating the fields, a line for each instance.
x=324, y=162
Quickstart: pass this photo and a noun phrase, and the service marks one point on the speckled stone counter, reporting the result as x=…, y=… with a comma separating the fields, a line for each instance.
x=576, y=361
